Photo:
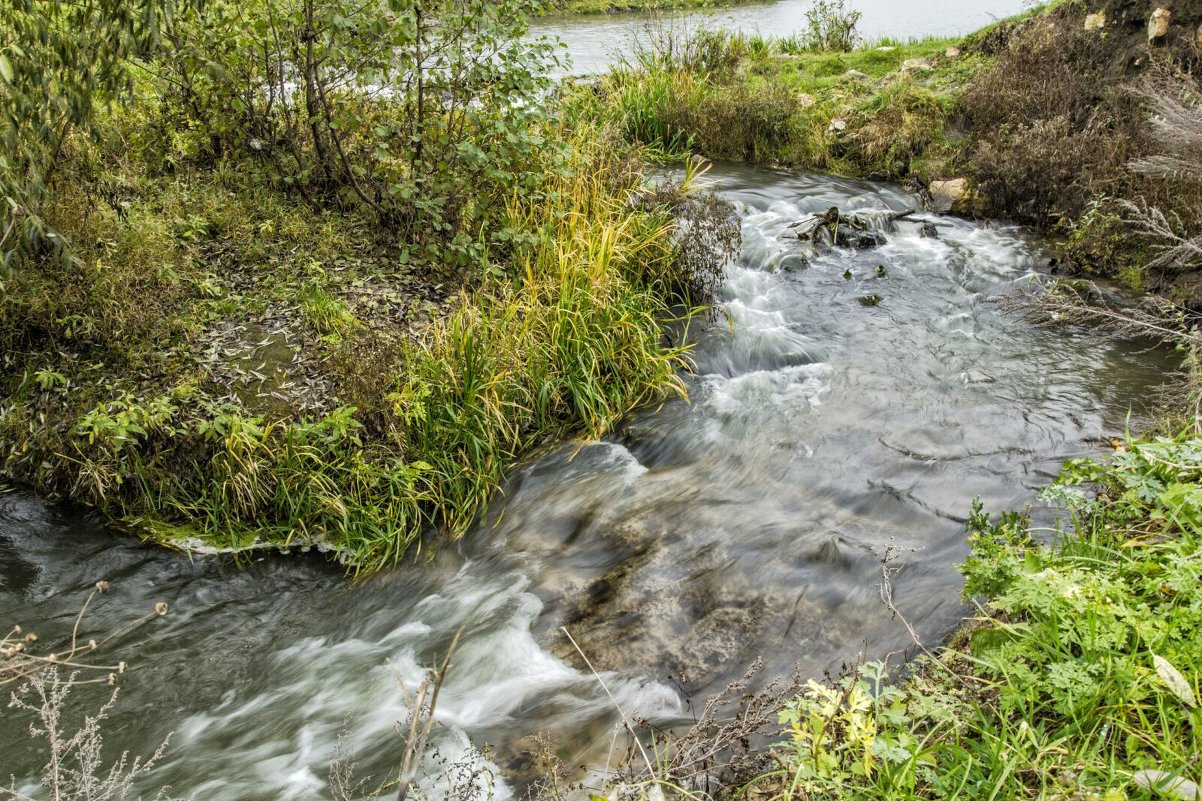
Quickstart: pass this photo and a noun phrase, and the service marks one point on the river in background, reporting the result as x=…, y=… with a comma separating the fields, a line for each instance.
x=595, y=42
x=748, y=523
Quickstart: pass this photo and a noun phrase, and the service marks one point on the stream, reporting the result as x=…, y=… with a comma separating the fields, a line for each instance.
x=748, y=523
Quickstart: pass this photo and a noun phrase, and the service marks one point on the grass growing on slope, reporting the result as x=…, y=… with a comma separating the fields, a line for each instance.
x=878, y=109
x=199, y=394
x=1080, y=682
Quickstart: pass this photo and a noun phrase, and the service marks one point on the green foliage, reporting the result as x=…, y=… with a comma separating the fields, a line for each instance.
x=734, y=96
x=1081, y=682
x=830, y=26
x=421, y=114
x=861, y=729
x=59, y=63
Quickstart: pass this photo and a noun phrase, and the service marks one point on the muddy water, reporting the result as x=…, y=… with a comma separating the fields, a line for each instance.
x=750, y=522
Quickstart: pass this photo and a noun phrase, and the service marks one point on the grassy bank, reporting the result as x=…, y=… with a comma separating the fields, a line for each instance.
x=227, y=371
x=1045, y=118
x=225, y=329
x=772, y=101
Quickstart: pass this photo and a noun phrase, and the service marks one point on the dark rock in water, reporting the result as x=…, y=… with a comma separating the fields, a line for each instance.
x=847, y=275
x=870, y=300
x=881, y=272
x=928, y=231
x=860, y=240
x=833, y=228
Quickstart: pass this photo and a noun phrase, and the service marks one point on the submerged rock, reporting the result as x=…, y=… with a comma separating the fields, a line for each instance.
x=834, y=228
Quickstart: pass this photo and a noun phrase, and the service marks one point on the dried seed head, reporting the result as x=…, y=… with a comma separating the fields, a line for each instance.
x=121, y=667
x=53, y=658
x=112, y=679
x=102, y=586
x=160, y=609
x=16, y=629
x=92, y=645
x=31, y=637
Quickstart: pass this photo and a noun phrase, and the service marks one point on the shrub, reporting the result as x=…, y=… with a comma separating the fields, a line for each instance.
x=1047, y=131
x=830, y=26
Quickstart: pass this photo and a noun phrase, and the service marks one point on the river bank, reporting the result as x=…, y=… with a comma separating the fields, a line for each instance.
x=858, y=402
x=1037, y=119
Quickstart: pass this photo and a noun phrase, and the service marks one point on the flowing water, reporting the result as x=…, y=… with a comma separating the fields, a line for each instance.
x=593, y=43
x=749, y=522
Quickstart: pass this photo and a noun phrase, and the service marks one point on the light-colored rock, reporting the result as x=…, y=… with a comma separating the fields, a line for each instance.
x=1095, y=21
x=856, y=75
x=1158, y=24
x=955, y=195
x=917, y=65
x=806, y=100
x=837, y=126
x=952, y=52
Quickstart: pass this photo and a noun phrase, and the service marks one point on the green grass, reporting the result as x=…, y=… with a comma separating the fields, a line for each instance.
x=1079, y=680
x=225, y=367
x=733, y=96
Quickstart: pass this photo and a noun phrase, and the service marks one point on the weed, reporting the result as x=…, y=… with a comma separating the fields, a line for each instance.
x=831, y=26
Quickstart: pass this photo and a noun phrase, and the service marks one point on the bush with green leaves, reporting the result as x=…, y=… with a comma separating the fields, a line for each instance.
x=830, y=25
x=59, y=63
x=421, y=114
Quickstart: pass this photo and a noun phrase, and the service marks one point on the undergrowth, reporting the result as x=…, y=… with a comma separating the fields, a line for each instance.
x=224, y=369
x=784, y=101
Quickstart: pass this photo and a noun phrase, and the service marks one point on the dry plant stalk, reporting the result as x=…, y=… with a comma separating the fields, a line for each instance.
x=18, y=663
x=75, y=768
x=1176, y=129
x=346, y=785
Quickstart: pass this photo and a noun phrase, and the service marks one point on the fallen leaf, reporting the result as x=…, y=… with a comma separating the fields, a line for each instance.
x=1175, y=681
x=1166, y=784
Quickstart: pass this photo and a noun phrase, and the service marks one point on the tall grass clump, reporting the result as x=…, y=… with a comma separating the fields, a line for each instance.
x=562, y=335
